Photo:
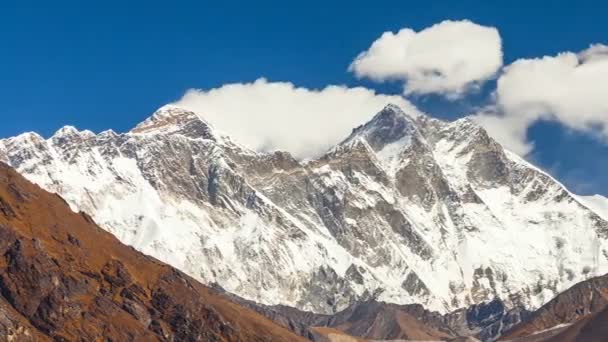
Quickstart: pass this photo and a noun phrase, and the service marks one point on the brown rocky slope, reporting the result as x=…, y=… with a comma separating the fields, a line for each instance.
x=63, y=278
x=593, y=327
x=578, y=314
x=376, y=320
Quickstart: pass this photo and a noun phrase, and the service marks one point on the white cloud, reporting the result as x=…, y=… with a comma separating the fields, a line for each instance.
x=280, y=116
x=569, y=88
x=448, y=58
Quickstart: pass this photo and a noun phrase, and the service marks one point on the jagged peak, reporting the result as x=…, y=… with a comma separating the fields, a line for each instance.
x=171, y=110
x=357, y=142
x=70, y=131
x=467, y=130
x=467, y=122
x=389, y=125
x=393, y=110
x=66, y=130
x=26, y=136
x=170, y=118
x=109, y=133
x=393, y=107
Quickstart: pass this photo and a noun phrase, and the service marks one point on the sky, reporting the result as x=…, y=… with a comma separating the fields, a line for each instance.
x=292, y=65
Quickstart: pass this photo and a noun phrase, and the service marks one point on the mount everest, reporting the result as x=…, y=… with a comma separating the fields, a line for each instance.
x=407, y=209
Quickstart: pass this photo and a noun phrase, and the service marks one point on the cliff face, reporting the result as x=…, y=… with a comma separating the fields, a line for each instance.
x=63, y=278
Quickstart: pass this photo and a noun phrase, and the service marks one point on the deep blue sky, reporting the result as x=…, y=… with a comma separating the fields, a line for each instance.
x=110, y=64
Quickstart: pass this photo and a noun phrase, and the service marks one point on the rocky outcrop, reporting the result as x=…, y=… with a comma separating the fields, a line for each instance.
x=62, y=278
x=485, y=321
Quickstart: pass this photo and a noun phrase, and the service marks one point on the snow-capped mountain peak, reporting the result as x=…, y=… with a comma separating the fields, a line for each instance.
x=408, y=209
x=390, y=125
x=70, y=134
x=25, y=137
x=171, y=119
x=68, y=131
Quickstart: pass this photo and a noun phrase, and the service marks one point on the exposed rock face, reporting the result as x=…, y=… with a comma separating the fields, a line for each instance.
x=405, y=210
x=385, y=321
x=367, y=320
x=485, y=321
x=578, y=314
x=62, y=278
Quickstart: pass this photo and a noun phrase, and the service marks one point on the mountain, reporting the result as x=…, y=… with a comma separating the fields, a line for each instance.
x=578, y=314
x=62, y=278
x=407, y=209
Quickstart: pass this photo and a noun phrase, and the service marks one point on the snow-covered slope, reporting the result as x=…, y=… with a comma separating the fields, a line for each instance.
x=405, y=210
x=597, y=203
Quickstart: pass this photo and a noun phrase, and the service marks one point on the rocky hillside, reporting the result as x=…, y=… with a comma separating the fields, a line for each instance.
x=385, y=321
x=580, y=311
x=368, y=320
x=408, y=209
x=62, y=278
x=593, y=327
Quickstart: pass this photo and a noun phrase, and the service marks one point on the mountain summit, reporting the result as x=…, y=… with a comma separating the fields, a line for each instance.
x=408, y=209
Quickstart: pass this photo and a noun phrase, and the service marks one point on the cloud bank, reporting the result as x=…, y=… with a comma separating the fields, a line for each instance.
x=448, y=58
x=570, y=88
x=280, y=116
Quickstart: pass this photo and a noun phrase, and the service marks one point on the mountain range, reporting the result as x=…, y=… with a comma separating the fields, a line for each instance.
x=406, y=210
x=62, y=278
